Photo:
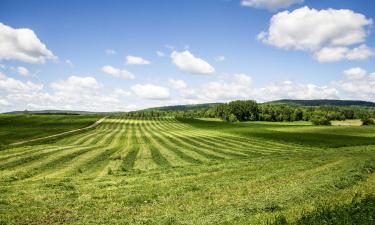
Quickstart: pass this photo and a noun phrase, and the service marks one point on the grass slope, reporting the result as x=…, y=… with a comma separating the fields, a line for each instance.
x=15, y=128
x=168, y=171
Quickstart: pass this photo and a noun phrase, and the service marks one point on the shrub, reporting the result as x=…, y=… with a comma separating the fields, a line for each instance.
x=232, y=118
x=320, y=120
x=367, y=121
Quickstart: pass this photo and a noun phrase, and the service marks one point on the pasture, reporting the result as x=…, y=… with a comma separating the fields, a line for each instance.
x=191, y=171
x=20, y=127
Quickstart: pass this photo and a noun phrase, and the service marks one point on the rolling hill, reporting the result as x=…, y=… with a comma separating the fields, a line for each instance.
x=323, y=102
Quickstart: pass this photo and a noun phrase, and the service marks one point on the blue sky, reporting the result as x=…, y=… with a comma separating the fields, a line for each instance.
x=209, y=51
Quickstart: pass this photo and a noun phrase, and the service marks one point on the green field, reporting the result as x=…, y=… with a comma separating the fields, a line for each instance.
x=15, y=128
x=190, y=171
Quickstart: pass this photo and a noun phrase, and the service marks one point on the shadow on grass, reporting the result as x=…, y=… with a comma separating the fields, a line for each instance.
x=330, y=137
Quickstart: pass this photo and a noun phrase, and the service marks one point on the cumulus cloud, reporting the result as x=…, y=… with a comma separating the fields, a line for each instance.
x=270, y=4
x=135, y=60
x=23, y=45
x=73, y=93
x=334, y=54
x=291, y=90
x=357, y=84
x=8, y=84
x=240, y=86
x=76, y=84
x=237, y=86
x=328, y=33
x=355, y=73
x=150, y=91
x=188, y=63
x=116, y=72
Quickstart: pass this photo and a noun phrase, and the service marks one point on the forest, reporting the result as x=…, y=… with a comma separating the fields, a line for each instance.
x=250, y=110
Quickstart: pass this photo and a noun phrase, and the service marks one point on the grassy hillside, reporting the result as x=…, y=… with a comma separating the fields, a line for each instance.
x=324, y=102
x=15, y=128
x=168, y=171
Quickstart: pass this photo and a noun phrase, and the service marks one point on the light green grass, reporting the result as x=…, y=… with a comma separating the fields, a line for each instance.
x=186, y=171
x=347, y=123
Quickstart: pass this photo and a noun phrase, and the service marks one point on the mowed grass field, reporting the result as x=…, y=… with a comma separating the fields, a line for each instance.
x=190, y=171
x=20, y=127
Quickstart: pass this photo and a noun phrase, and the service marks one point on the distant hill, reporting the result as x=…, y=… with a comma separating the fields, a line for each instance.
x=323, y=102
x=55, y=112
x=181, y=107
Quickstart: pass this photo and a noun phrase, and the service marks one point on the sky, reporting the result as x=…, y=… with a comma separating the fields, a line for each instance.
x=120, y=55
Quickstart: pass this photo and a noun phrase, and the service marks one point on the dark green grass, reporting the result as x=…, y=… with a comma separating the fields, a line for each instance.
x=15, y=128
x=298, y=133
x=357, y=212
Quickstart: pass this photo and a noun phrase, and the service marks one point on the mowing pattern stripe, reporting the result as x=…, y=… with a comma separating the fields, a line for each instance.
x=122, y=144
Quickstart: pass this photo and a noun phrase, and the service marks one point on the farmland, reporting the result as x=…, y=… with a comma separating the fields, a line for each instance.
x=20, y=127
x=192, y=171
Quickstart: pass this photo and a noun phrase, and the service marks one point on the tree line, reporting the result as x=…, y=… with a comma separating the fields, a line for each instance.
x=250, y=110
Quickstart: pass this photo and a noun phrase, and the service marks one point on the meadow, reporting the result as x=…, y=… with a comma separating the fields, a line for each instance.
x=20, y=127
x=192, y=171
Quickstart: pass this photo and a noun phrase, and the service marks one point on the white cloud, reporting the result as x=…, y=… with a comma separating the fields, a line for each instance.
x=311, y=29
x=331, y=54
x=177, y=84
x=81, y=93
x=270, y=4
x=160, y=53
x=2, y=66
x=76, y=84
x=219, y=58
x=355, y=73
x=117, y=72
x=292, y=90
x=135, y=60
x=150, y=91
x=360, y=53
x=121, y=92
x=4, y=102
x=110, y=52
x=358, y=84
x=22, y=44
x=187, y=62
x=237, y=86
x=74, y=93
x=8, y=84
x=22, y=71
x=335, y=54
x=328, y=33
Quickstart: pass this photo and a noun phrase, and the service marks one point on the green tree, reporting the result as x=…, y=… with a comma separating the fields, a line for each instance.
x=244, y=110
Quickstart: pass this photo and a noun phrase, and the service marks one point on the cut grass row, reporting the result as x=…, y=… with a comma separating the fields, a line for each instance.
x=161, y=170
